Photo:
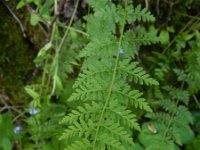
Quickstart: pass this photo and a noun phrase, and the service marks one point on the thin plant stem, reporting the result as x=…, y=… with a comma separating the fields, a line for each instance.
x=76, y=30
x=196, y=100
x=16, y=18
x=59, y=48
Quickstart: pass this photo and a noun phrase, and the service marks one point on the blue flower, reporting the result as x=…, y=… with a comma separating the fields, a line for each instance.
x=121, y=51
x=17, y=129
x=33, y=111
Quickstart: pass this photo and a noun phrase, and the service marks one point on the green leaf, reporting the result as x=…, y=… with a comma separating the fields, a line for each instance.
x=137, y=147
x=171, y=29
x=20, y=4
x=73, y=35
x=43, y=50
x=186, y=135
x=32, y=93
x=164, y=37
x=45, y=8
x=187, y=36
x=6, y=144
x=58, y=82
x=36, y=2
x=34, y=19
x=196, y=143
x=152, y=140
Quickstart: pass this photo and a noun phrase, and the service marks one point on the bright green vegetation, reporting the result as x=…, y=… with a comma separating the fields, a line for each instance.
x=115, y=75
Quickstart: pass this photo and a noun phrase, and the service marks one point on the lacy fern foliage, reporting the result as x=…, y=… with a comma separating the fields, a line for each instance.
x=170, y=125
x=104, y=118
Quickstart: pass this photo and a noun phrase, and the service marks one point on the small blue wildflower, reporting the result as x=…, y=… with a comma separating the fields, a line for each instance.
x=121, y=51
x=33, y=111
x=17, y=129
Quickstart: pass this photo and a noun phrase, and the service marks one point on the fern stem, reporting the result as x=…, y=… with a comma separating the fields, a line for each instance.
x=113, y=78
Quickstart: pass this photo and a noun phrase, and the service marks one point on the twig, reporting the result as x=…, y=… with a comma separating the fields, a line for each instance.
x=30, y=10
x=158, y=7
x=16, y=18
x=20, y=115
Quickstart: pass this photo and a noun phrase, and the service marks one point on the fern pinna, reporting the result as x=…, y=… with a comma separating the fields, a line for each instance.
x=103, y=119
x=170, y=124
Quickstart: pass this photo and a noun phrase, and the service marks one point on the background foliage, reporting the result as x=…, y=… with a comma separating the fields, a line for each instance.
x=108, y=74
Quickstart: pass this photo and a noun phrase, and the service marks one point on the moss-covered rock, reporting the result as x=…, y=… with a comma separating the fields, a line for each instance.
x=16, y=56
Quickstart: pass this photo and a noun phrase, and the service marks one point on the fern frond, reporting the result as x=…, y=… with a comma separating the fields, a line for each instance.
x=117, y=131
x=89, y=91
x=99, y=48
x=192, y=68
x=132, y=97
x=93, y=71
x=156, y=146
x=146, y=38
x=183, y=116
x=139, y=14
x=173, y=116
x=175, y=93
x=167, y=105
x=96, y=5
x=71, y=132
x=110, y=142
x=78, y=145
x=160, y=116
x=135, y=73
x=155, y=141
x=130, y=47
x=105, y=117
x=82, y=113
x=175, y=135
x=124, y=115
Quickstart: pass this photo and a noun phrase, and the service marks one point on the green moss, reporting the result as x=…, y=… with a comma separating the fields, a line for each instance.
x=16, y=56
